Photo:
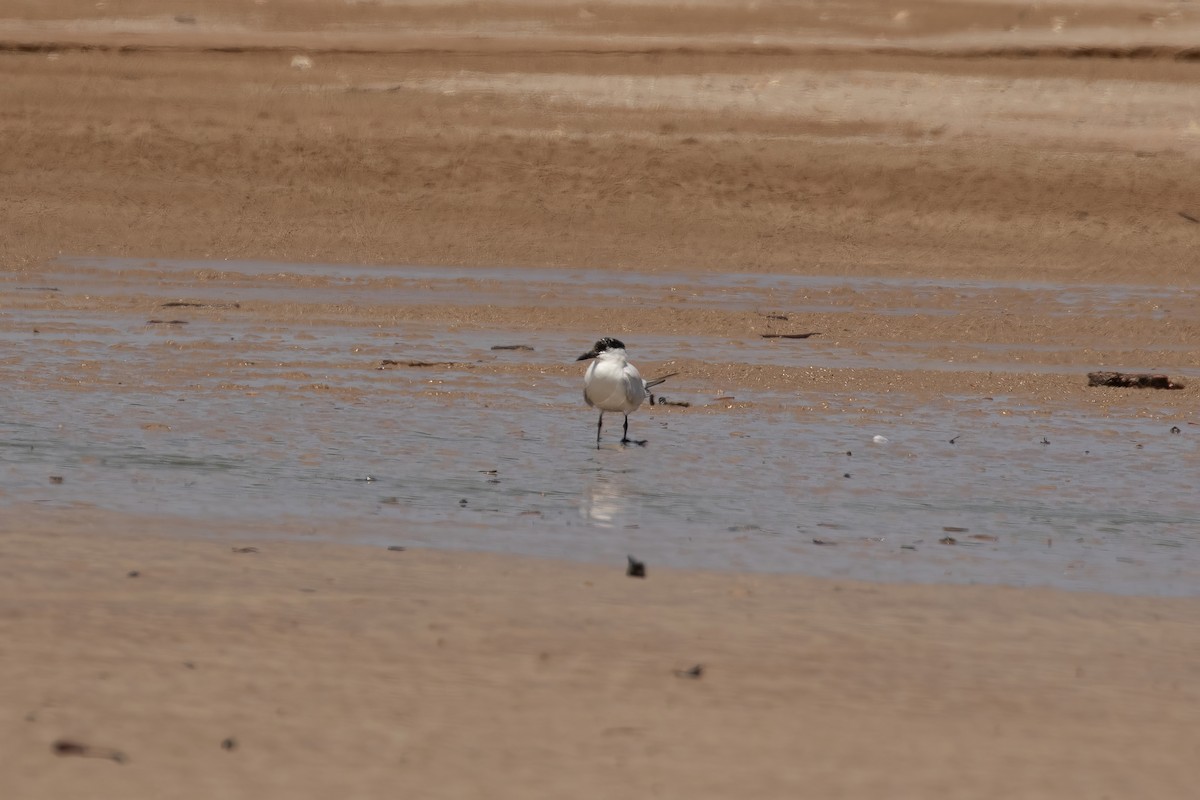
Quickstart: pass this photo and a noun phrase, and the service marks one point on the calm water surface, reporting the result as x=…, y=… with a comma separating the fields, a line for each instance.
x=452, y=458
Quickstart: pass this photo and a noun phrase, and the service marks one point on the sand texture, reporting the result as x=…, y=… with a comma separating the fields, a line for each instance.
x=1003, y=145
x=367, y=672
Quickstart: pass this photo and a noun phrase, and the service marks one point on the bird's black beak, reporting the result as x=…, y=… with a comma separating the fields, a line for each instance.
x=587, y=355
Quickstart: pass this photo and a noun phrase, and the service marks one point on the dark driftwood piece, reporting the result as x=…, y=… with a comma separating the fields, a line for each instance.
x=391, y=362
x=1134, y=380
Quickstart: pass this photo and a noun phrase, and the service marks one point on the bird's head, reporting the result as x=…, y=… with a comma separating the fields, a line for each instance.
x=602, y=346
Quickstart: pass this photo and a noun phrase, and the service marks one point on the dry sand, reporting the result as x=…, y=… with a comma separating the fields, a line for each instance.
x=977, y=140
x=622, y=135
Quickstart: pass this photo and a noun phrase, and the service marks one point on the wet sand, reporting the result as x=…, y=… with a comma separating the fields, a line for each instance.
x=1027, y=174
x=336, y=668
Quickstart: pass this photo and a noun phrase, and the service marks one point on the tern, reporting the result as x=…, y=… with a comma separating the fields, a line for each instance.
x=613, y=384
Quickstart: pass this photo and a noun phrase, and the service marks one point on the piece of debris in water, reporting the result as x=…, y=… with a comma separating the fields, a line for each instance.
x=391, y=362
x=1132, y=380
x=512, y=347
x=789, y=335
x=636, y=569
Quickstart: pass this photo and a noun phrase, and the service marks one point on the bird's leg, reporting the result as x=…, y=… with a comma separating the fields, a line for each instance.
x=625, y=435
x=599, y=427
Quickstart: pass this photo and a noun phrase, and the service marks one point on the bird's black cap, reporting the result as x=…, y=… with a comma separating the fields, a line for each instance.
x=607, y=343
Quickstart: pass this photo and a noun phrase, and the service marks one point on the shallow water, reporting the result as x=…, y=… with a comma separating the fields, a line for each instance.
x=237, y=422
x=423, y=285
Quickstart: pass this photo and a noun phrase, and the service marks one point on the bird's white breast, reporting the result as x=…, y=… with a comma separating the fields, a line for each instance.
x=613, y=384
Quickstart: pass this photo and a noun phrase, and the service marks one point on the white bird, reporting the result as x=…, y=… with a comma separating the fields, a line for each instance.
x=613, y=384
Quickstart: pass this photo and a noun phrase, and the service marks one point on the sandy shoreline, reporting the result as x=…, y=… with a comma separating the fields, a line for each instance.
x=852, y=162
x=962, y=141
x=337, y=668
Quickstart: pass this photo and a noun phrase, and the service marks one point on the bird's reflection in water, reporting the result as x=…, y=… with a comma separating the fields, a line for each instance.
x=606, y=500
